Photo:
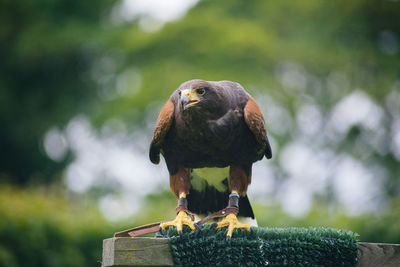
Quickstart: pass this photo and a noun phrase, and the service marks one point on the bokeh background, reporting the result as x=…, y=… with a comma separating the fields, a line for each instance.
x=82, y=82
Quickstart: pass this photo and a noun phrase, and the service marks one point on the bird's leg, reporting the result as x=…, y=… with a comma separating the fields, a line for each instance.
x=239, y=179
x=180, y=184
x=230, y=219
x=183, y=217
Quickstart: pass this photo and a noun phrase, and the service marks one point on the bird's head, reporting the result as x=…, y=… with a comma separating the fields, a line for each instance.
x=195, y=93
x=191, y=97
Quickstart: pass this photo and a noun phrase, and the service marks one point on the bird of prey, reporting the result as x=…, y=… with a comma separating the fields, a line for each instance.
x=203, y=129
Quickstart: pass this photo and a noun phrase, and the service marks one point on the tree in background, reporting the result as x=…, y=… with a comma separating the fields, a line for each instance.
x=47, y=49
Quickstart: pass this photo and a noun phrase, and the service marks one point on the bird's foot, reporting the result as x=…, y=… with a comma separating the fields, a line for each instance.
x=232, y=222
x=181, y=219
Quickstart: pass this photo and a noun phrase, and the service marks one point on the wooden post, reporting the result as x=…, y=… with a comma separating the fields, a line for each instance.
x=377, y=254
x=145, y=251
x=138, y=251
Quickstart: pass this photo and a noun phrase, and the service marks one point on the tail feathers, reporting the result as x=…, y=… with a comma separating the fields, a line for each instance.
x=209, y=200
x=245, y=209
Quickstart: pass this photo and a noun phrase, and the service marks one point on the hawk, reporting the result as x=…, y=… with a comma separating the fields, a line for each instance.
x=204, y=128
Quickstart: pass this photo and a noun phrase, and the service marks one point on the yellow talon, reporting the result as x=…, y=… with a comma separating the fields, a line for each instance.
x=181, y=219
x=232, y=222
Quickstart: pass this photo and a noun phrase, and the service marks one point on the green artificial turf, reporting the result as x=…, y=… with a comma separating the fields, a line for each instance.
x=263, y=247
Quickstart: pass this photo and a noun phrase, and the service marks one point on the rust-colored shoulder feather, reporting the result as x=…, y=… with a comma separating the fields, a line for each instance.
x=255, y=121
x=164, y=122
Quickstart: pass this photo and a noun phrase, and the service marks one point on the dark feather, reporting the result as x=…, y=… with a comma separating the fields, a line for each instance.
x=210, y=200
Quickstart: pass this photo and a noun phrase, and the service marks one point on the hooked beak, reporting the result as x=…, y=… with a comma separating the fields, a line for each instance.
x=188, y=98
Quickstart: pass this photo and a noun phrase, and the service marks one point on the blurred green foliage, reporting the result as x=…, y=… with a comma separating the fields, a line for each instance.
x=370, y=227
x=46, y=50
x=63, y=58
x=60, y=59
x=41, y=227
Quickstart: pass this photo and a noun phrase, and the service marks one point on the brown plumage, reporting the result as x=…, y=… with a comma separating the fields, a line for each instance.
x=210, y=124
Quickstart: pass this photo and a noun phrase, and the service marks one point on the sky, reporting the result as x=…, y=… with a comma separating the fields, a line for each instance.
x=152, y=14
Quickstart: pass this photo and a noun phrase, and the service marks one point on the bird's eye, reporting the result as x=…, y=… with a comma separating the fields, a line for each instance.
x=200, y=91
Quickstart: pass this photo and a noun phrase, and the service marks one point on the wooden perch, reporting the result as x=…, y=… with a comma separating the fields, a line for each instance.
x=145, y=251
x=138, y=251
x=377, y=254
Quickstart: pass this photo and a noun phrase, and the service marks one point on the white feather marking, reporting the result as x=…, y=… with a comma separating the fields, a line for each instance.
x=213, y=176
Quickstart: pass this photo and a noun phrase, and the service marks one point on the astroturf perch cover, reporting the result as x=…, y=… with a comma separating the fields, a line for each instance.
x=263, y=247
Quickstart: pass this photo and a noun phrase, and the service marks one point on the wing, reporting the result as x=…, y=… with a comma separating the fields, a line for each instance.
x=255, y=121
x=164, y=122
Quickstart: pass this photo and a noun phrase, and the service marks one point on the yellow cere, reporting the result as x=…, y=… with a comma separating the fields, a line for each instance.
x=191, y=94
